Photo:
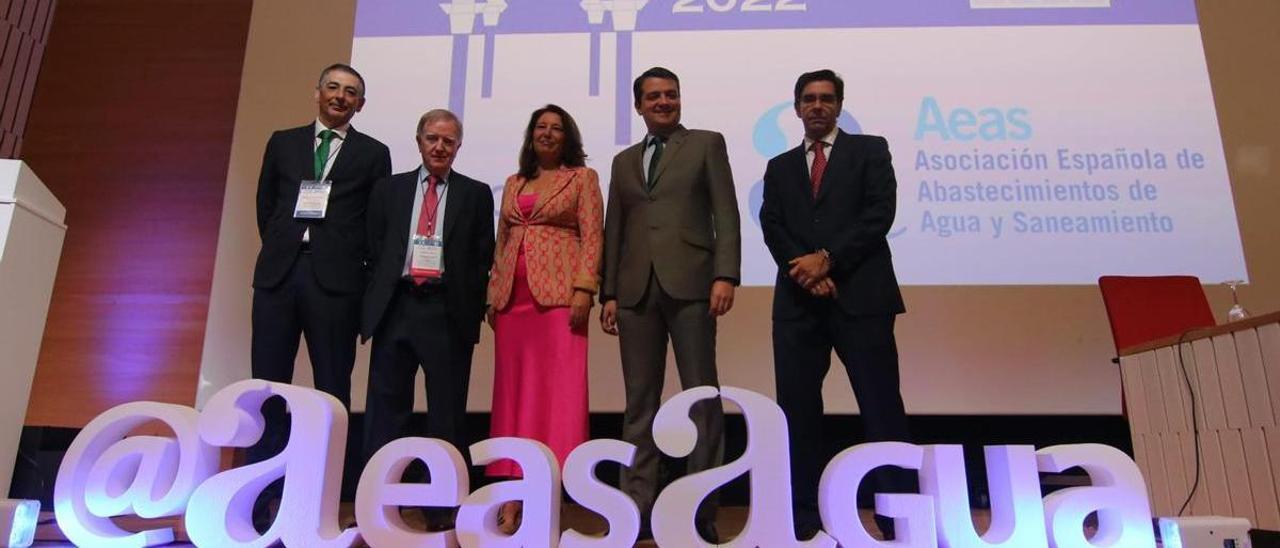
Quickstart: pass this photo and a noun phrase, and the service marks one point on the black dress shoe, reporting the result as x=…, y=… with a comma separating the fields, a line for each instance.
x=439, y=519
x=807, y=531
x=885, y=524
x=262, y=517
x=707, y=530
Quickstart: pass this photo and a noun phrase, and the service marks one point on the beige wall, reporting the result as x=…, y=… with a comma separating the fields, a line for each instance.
x=972, y=350
x=290, y=42
x=1242, y=47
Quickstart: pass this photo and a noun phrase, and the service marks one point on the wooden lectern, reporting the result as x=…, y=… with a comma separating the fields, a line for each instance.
x=1232, y=375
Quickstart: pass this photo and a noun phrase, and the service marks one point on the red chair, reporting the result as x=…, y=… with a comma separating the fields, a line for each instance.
x=1145, y=308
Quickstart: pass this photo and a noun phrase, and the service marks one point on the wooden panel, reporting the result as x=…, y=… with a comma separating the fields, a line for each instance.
x=1156, y=415
x=1131, y=378
x=1214, y=473
x=1261, y=481
x=1272, y=438
x=13, y=91
x=9, y=58
x=1144, y=465
x=1173, y=389
x=1224, y=352
x=1200, y=499
x=1179, y=485
x=131, y=128
x=7, y=34
x=1195, y=405
x=1158, y=479
x=1269, y=343
x=1257, y=398
x=1237, y=467
x=1215, y=414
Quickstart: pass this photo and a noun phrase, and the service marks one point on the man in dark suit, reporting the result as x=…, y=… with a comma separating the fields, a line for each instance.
x=431, y=232
x=828, y=205
x=312, y=194
x=671, y=261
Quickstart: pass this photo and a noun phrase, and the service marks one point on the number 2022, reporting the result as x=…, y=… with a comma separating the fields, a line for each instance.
x=722, y=6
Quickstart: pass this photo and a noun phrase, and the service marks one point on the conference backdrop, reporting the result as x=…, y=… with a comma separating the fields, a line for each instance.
x=1038, y=144
x=1032, y=145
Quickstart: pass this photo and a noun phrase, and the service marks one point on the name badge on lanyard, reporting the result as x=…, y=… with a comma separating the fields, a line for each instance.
x=313, y=199
x=428, y=257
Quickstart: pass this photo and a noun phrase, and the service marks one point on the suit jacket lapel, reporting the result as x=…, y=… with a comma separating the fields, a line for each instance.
x=563, y=178
x=350, y=148
x=671, y=149
x=838, y=157
x=408, y=186
x=800, y=167
x=306, y=143
x=635, y=159
x=453, y=204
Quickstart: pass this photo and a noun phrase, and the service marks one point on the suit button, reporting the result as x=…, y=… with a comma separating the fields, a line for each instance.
x=817, y=221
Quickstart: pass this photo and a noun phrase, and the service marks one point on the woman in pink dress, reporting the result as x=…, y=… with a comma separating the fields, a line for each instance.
x=545, y=273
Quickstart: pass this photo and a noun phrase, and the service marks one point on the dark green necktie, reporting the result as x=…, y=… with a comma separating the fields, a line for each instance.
x=322, y=151
x=658, y=145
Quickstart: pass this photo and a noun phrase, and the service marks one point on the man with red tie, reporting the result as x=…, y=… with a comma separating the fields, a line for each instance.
x=431, y=236
x=828, y=206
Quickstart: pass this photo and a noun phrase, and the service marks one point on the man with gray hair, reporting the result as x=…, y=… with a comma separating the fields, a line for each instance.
x=431, y=236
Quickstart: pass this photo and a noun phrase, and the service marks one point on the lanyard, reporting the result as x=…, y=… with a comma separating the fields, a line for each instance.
x=434, y=212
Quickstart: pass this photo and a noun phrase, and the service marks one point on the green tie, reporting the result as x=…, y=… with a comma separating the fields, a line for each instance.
x=322, y=151
x=653, y=162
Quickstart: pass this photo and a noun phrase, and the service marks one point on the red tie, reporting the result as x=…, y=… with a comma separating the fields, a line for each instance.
x=427, y=217
x=819, y=166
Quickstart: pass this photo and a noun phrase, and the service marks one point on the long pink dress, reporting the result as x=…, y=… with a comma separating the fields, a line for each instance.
x=540, y=371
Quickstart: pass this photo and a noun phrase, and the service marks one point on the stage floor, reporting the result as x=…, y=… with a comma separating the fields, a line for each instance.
x=729, y=521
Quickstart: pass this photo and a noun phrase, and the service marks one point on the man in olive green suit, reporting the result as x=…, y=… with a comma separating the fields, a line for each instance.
x=671, y=262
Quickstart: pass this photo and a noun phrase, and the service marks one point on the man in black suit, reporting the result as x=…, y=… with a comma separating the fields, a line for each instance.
x=828, y=205
x=312, y=194
x=431, y=232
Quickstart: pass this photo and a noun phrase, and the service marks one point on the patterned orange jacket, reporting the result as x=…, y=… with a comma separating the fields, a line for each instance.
x=562, y=239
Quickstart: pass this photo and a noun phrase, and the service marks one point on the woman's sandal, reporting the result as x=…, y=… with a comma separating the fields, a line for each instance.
x=509, y=517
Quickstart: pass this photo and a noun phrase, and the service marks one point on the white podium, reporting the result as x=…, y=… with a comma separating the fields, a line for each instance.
x=31, y=233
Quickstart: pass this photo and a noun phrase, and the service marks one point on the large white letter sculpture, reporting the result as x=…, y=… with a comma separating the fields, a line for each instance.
x=106, y=474
x=539, y=489
x=1118, y=494
x=617, y=508
x=1017, y=517
x=769, y=523
x=381, y=493
x=838, y=497
x=220, y=511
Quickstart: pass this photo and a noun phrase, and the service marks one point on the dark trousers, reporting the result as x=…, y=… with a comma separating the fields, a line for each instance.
x=296, y=308
x=643, y=332
x=416, y=332
x=802, y=356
